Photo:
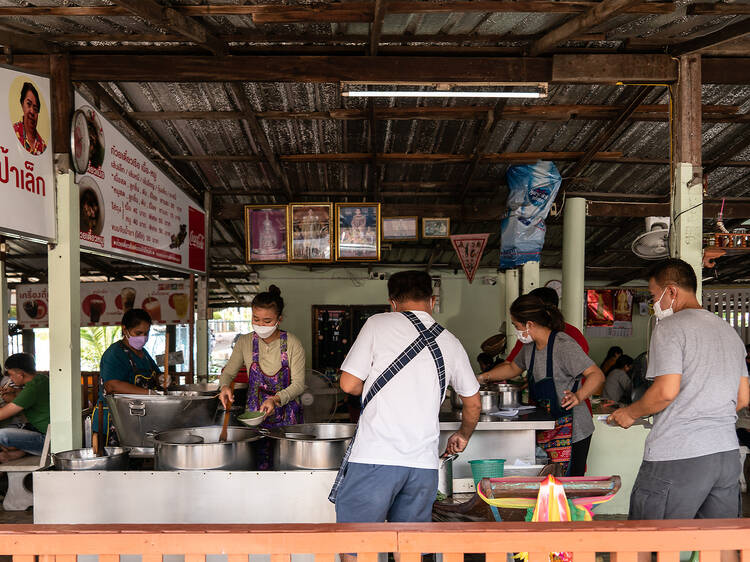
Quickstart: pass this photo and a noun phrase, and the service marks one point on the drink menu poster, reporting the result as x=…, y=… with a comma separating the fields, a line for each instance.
x=128, y=207
x=103, y=304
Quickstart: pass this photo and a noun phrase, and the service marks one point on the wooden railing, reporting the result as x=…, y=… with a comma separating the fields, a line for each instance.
x=623, y=540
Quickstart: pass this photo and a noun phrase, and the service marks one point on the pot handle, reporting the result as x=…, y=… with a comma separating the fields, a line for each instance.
x=449, y=458
x=263, y=431
x=137, y=408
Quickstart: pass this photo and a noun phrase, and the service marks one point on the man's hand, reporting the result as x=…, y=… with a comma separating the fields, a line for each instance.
x=456, y=444
x=621, y=417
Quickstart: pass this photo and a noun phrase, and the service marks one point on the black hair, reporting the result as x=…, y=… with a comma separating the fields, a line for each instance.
x=269, y=299
x=486, y=359
x=547, y=294
x=134, y=317
x=29, y=87
x=623, y=361
x=529, y=308
x=614, y=350
x=410, y=286
x=22, y=361
x=674, y=271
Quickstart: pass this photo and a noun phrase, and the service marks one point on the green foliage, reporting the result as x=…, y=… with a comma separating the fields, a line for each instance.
x=94, y=342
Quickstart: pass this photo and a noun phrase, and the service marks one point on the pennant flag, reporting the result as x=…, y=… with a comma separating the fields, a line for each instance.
x=469, y=248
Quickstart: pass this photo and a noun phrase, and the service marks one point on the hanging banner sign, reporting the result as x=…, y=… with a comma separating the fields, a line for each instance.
x=27, y=180
x=103, y=304
x=469, y=248
x=599, y=308
x=128, y=206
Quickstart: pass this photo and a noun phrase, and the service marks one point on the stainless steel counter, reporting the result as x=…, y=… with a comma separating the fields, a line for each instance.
x=533, y=420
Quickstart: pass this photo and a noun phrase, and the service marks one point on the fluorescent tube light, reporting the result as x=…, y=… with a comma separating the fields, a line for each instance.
x=440, y=94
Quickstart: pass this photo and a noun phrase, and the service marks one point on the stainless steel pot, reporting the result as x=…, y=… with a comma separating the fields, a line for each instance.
x=116, y=458
x=445, y=475
x=138, y=416
x=488, y=401
x=211, y=389
x=509, y=396
x=324, y=451
x=181, y=449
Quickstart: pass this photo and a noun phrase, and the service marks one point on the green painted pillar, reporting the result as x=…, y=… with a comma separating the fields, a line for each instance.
x=574, y=260
x=65, y=320
x=687, y=209
x=529, y=277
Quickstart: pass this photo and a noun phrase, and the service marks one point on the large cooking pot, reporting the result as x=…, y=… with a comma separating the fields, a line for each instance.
x=138, y=416
x=115, y=458
x=509, y=396
x=310, y=446
x=203, y=389
x=198, y=448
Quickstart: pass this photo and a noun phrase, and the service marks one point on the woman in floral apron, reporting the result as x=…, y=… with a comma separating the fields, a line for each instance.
x=275, y=362
x=561, y=377
x=126, y=368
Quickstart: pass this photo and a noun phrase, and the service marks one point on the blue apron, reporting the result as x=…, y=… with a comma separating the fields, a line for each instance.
x=426, y=338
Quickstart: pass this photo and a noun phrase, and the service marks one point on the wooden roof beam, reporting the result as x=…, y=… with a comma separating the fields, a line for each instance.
x=736, y=30
x=25, y=42
x=175, y=22
x=493, y=118
x=594, y=16
x=259, y=136
x=376, y=27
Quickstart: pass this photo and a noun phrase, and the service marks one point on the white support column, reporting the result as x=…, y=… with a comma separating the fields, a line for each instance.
x=686, y=241
x=574, y=260
x=530, y=277
x=201, y=330
x=511, y=294
x=65, y=320
x=4, y=304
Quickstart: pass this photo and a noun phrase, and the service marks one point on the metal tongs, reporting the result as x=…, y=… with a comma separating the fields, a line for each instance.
x=645, y=422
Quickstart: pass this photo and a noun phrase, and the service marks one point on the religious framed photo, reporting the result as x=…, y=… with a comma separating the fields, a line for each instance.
x=358, y=231
x=266, y=238
x=311, y=232
x=400, y=229
x=437, y=227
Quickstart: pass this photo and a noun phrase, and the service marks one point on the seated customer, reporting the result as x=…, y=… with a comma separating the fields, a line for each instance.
x=613, y=354
x=33, y=401
x=618, y=386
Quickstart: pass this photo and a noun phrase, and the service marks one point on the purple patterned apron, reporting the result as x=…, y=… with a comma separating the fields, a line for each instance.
x=262, y=386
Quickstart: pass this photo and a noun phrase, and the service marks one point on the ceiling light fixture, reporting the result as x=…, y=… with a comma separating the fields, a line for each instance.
x=445, y=90
x=436, y=94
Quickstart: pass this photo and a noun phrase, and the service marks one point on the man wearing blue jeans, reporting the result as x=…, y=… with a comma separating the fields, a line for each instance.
x=401, y=363
x=33, y=401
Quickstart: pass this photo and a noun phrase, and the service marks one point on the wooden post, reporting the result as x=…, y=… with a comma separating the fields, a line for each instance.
x=686, y=241
x=62, y=102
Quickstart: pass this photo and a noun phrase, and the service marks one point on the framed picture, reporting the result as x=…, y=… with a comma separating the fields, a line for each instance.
x=397, y=229
x=436, y=227
x=311, y=232
x=266, y=239
x=358, y=231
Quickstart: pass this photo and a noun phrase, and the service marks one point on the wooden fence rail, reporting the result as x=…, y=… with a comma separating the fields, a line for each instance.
x=623, y=540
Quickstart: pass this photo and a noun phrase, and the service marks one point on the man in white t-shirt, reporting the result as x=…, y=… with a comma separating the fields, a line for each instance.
x=393, y=466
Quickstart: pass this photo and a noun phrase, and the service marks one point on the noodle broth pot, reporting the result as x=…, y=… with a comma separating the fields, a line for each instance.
x=198, y=448
x=310, y=446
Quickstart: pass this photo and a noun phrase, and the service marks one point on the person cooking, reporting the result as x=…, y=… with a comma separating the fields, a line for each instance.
x=25, y=129
x=275, y=362
x=554, y=362
x=126, y=368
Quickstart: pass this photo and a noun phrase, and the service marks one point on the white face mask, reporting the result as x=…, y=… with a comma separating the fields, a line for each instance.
x=659, y=312
x=264, y=331
x=524, y=339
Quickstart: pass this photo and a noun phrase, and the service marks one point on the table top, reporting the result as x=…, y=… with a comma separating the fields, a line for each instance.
x=531, y=421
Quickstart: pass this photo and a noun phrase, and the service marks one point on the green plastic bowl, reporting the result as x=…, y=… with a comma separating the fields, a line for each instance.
x=487, y=468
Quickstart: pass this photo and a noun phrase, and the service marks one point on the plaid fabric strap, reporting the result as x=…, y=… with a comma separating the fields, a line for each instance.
x=426, y=339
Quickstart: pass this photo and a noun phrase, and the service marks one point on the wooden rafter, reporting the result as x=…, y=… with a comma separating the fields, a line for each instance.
x=606, y=134
x=376, y=27
x=738, y=143
x=25, y=42
x=493, y=118
x=259, y=136
x=594, y=16
x=733, y=31
x=174, y=21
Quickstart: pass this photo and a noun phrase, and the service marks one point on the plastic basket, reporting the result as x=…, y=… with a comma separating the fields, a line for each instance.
x=487, y=468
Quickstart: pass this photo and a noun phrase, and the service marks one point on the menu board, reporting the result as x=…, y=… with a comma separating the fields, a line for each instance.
x=27, y=180
x=103, y=304
x=128, y=206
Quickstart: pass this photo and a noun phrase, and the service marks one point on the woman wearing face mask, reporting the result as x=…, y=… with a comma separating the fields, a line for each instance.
x=554, y=363
x=275, y=362
x=127, y=368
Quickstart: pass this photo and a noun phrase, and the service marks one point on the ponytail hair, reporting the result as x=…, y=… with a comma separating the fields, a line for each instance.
x=269, y=299
x=530, y=308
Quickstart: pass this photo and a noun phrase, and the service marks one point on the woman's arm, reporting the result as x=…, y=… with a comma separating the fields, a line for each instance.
x=236, y=360
x=593, y=381
x=121, y=387
x=501, y=372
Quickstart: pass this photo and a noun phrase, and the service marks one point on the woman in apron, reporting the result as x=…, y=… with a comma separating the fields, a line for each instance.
x=126, y=368
x=275, y=362
x=561, y=377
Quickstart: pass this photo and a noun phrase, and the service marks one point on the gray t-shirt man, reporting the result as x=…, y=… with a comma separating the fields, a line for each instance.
x=710, y=357
x=569, y=362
